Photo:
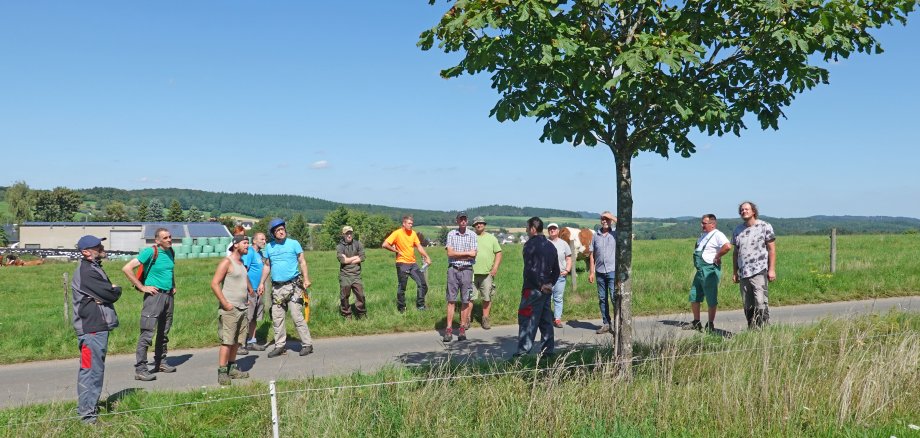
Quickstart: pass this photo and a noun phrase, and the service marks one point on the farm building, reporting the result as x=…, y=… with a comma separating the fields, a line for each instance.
x=123, y=236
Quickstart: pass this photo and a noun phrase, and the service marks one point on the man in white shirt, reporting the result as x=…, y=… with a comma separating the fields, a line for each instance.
x=707, y=259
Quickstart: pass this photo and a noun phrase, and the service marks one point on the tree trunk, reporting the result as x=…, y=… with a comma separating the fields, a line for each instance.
x=623, y=307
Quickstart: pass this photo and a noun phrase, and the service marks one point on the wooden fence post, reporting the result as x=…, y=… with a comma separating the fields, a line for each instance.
x=833, y=250
x=66, y=300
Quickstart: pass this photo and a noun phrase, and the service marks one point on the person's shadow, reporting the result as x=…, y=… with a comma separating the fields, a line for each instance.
x=684, y=325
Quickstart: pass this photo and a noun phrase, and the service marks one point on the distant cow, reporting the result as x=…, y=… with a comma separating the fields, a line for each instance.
x=32, y=262
x=579, y=240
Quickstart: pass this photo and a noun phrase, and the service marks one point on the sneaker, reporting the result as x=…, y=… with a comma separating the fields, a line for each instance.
x=557, y=323
x=242, y=351
x=163, y=368
x=486, y=323
x=277, y=352
x=421, y=308
x=462, y=335
x=223, y=378
x=604, y=329
x=235, y=373
x=144, y=376
x=448, y=335
x=694, y=325
x=306, y=349
x=252, y=346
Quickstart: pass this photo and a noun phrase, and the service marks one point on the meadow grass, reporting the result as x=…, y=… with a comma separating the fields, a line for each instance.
x=869, y=266
x=835, y=378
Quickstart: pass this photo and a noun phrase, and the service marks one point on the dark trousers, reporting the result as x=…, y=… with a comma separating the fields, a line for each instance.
x=349, y=285
x=93, y=347
x=156, y=318
x=534, y=312
x=403, y=272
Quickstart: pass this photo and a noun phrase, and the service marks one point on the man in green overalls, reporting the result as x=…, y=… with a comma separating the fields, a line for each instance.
x=707, y=259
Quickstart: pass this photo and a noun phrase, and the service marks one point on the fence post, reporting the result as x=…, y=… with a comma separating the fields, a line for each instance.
x=833, y=250
x=274, y=397
x=66, y=300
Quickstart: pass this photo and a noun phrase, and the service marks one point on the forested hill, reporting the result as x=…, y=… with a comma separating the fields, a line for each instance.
x=652, y=228
x=313, y=209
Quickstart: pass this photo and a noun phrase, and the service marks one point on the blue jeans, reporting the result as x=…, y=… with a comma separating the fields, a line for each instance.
x=558, y=292
x=533, y=313
x=606, y=290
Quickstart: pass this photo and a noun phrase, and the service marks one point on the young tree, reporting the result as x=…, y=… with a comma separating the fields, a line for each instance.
x=4, y=241
x=299, y=230
x=638, y=75
x=175, y=212
x=116, y=212
x=194, y=215
x=155, y=211
x=332, y=228
x=142, y=211
x=58, y=205
x=19, y=199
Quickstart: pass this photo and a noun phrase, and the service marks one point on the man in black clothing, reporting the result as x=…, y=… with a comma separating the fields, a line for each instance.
x=541, y=270
x=93, y=317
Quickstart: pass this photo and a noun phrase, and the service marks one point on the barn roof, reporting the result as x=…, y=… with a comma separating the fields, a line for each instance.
x=177, y=229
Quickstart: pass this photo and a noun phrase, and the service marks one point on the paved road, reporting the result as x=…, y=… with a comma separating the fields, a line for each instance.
x=49, y=381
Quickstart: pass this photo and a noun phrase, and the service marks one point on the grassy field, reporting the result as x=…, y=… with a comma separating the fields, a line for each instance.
x=868, y=267
x=834, y=378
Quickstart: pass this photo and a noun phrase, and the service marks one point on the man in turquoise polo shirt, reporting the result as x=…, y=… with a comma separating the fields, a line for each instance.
x=159, y=289
x=283, y=257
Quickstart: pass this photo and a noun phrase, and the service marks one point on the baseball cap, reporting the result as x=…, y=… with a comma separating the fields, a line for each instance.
x=87, y=242
x=461, y=214
x=347, y=229
x=239, y=238
x=552, y=225
x=479, y=220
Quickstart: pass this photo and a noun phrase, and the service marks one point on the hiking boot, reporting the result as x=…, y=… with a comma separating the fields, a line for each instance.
x=557, y=323
x=235, y=373
x=144, y=376
x=604, y=329
x=710, y=327
x=163, y=368
x=223, y=377
x=486, y=323
x=462, y=335
x=252, y=346
x=277, y=352
x=694, y=325
x=242, y=351
x=306, y=349
x=448, y=335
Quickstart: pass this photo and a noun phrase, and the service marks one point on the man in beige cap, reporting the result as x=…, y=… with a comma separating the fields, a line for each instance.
x=601, y=266
x=350, y=253
x=488, y=259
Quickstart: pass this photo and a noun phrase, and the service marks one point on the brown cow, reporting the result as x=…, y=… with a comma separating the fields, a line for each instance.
x=579, y=240
x=32, y=262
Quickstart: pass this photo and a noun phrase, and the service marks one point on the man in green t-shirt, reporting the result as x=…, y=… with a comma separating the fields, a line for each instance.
x=488, y=259
x=159, y=289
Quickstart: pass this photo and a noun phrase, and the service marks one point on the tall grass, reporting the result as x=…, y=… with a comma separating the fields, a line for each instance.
x=835, y=378
x=869, y=267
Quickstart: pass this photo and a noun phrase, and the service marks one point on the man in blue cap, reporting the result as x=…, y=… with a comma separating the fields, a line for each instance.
x=283, y=257
x=93, y=317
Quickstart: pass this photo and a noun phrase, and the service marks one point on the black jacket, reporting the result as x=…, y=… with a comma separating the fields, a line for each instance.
x=541, y=263
x=93, y=299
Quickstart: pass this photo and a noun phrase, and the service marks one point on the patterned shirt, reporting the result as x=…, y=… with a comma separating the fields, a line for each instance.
x=604, y=247
x=751, y=247
x=461, y=243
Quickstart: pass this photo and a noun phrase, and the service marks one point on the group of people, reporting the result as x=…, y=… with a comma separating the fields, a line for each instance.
x=474, y=257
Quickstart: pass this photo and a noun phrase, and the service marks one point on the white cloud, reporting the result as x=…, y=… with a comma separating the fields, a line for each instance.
x=321, y=164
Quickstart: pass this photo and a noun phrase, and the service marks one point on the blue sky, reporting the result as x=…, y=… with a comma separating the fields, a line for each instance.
x=334, y=100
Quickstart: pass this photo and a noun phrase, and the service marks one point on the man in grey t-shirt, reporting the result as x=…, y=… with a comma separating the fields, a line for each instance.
x=755, y=263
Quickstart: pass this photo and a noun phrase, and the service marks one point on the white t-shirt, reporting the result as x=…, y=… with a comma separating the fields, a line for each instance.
x=712, y=248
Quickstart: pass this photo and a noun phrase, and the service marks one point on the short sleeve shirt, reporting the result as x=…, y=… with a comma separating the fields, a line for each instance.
x=713, y=244
x=405, y=244
x=283, y=258
x=161, y=272
x=461, y=243
x=751, y=247
x=563, y=250
x=252, y=260
x=485, y=255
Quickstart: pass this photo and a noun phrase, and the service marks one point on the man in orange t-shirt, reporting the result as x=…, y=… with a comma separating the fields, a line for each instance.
x=403, y=242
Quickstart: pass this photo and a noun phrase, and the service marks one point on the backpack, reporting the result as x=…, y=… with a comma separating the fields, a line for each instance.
x=144, y=269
